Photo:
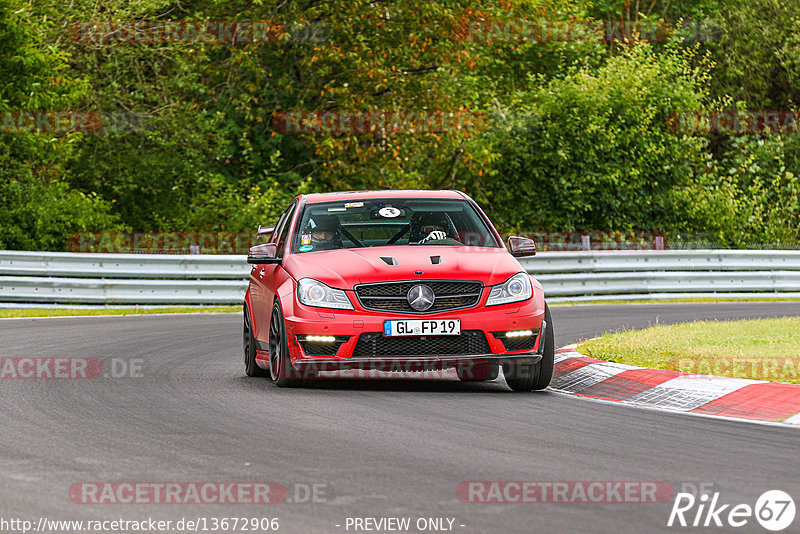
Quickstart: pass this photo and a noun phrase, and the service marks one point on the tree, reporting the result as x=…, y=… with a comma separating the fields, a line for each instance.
x=594, y=150
x=38, y=208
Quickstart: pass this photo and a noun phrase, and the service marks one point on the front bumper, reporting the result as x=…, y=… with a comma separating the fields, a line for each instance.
x=350, y=326
x=423, y=363
x=412, y=363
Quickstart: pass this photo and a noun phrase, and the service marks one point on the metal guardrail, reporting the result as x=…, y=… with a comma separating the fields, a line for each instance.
x=56, y=278
x=638, y=275
x=121, y=279
x=18, y=263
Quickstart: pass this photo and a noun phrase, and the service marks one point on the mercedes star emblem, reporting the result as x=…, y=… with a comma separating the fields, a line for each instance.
x=421, y=297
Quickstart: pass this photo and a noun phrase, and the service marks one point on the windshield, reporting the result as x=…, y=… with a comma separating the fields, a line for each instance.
x=386, y=222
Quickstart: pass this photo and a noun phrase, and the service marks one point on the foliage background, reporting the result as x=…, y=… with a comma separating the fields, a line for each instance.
x=578, y=136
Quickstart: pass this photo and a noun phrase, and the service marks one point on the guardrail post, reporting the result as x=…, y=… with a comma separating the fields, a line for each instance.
x=586, y=243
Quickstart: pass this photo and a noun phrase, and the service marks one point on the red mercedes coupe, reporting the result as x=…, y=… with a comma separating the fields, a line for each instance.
x=394, y=281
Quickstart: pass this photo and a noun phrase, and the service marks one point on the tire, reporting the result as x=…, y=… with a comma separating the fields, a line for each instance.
x=280, y=368
x=534, y=376
x=482, y=372
x=251, y=368
x=521, y=376
x=548, y=354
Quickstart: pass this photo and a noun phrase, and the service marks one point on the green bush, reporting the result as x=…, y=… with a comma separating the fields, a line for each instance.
x=41, y=215
x=597, y=152
x=593, y=149
x=753, y=198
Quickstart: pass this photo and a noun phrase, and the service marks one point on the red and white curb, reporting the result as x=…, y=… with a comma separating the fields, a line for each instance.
x=738, y=398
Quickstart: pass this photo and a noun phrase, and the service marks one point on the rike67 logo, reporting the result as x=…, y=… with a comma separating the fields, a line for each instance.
x=774, y=510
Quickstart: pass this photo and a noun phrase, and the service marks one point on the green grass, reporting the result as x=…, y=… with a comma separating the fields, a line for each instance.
x=760, y=349
x=72, y=312
x=674, y=301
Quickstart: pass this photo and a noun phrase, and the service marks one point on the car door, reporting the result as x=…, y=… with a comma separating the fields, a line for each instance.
x=263, y=279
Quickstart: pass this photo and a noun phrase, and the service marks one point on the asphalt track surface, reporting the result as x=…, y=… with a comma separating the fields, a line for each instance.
x=383, y=448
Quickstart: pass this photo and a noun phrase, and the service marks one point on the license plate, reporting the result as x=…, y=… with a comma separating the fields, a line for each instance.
x=422, y=327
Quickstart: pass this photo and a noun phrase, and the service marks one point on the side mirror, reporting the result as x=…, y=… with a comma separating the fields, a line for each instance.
x=266, y=253
x=521, y=246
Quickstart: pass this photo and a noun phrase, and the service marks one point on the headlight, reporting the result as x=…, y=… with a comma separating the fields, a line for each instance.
x=314, y=293
x=515, y=289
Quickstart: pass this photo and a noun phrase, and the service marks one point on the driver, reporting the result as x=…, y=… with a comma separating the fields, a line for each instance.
x=432, y=226
x=325, y=234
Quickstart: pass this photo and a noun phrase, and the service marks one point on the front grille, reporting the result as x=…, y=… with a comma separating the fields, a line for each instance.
x=392, y=296
x=375, y=345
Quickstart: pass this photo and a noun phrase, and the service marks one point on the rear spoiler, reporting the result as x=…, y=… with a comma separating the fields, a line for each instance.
x=264, y=230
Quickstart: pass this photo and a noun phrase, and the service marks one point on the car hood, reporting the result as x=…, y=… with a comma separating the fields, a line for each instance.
x=345, y=268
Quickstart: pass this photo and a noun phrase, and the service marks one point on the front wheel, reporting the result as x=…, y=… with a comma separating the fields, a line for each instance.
x=548, y=354
x=280, y=367
x=521, y=376
x=534, y=376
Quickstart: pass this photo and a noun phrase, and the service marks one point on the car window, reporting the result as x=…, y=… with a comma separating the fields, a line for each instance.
x=280, y=225
x=283, y=231
x=387, y=222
